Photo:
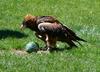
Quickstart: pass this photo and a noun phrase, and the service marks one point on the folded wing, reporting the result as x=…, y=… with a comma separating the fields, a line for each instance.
x=58, y=30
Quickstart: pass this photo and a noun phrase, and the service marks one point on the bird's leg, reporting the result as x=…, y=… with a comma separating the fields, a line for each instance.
x=42, y=37
x=50, y=42
x=47, y=42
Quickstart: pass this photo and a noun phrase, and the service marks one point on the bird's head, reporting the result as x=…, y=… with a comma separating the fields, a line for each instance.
x=28, y=22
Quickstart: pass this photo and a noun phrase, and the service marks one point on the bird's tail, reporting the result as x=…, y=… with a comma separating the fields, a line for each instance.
x=72, y=34
x=80, y=39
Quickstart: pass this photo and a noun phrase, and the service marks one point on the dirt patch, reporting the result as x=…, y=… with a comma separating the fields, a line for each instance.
x=19, y=52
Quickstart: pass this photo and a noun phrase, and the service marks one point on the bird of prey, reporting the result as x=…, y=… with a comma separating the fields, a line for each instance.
x=50, y=30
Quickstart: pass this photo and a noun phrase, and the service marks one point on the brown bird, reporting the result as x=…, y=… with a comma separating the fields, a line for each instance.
x=50, y=30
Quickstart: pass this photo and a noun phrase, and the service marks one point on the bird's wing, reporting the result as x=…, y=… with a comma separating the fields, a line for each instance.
x=57, y=29
x=49, y=19
x=49, y=27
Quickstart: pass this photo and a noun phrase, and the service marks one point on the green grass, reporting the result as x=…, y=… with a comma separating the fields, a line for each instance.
x=82, y=16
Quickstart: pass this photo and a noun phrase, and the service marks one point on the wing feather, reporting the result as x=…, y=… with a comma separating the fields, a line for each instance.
x=49, y=27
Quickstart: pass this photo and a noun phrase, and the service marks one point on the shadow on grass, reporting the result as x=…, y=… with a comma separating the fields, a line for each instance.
x=63, y=49
x=11, y=33
x=58, y=49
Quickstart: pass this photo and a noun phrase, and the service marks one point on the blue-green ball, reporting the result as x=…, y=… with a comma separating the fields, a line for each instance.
x=31, y=47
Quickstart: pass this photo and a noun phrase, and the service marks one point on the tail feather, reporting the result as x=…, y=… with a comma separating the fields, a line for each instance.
x=72, y=35
x=80, y=39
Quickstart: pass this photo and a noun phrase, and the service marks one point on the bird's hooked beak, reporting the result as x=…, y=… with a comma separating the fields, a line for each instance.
x=22, y=27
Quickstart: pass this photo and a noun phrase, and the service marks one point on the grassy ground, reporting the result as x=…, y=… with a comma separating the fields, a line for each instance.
x=82, y=16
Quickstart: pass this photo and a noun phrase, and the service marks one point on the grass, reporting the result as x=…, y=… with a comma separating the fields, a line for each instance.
x=82, y=16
